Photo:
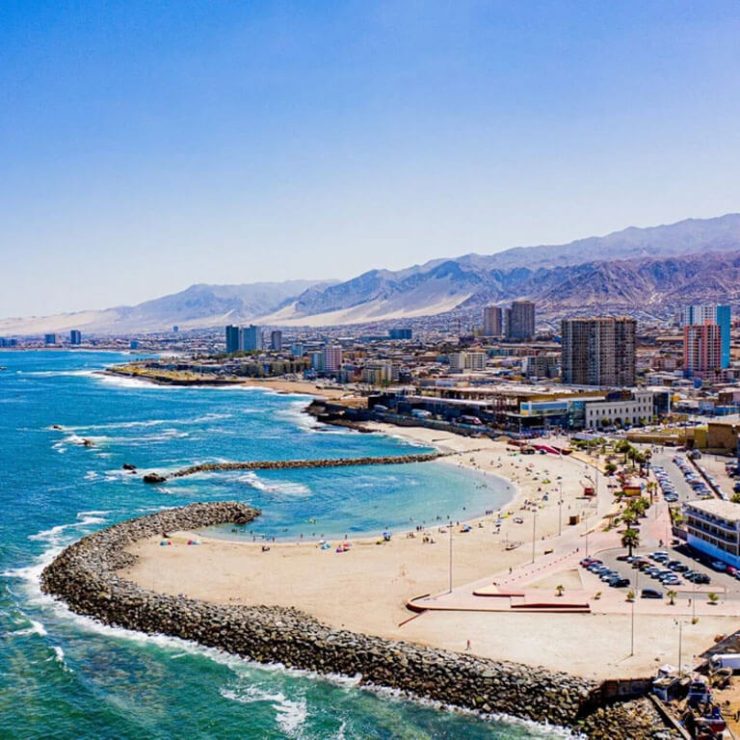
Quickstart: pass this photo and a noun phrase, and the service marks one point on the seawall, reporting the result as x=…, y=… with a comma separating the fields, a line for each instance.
x=85, y=576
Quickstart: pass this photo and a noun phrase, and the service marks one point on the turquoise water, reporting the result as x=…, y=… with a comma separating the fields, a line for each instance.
x=64, y=676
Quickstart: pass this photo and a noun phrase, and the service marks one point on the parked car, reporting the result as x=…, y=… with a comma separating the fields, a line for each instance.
x=619, y=582
x=651, y=593
x=718, y=565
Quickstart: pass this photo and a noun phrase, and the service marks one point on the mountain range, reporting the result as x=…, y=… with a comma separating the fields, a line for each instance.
x=647, y=272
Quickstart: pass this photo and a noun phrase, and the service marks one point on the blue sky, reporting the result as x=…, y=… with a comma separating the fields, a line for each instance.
x=145, y=146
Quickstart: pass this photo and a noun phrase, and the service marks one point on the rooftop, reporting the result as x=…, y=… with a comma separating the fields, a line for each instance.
x=722, y=509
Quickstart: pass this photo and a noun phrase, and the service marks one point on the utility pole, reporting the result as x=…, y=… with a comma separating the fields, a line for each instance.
x=534, y=532
x=680, y=647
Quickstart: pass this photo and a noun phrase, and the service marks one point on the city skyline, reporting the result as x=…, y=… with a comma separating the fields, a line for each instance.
x=154, y=148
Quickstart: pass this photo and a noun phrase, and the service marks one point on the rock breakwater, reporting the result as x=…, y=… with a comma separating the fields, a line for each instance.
x=85, y=575
x=295, y=464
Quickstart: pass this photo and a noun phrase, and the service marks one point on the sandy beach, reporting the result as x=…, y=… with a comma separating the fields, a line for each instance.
x=367, y=588
x=307, y=387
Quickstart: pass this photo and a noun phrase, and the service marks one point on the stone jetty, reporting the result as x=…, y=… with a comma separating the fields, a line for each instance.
x=85, y=575
x=296, y=464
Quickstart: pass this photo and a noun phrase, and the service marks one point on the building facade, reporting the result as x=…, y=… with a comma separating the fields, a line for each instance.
x=332, y=359
x=251, y=338
x=713, y=528
x=520, y=321
x=721, y=315
x=276, y=340
x=233, y=339
x=75, y=337
x=493, y=321
x=598, y=351
x=702, y=349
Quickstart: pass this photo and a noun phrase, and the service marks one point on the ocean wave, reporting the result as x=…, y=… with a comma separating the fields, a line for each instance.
x=36, y=628
x=290, y=714
x=144, y=423
x=56, y=373
x=276, y=487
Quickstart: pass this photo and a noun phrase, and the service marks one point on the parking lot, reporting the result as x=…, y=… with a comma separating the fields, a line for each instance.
x=684, y=559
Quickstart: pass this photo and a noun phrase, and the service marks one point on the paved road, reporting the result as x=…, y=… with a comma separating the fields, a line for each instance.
x=665, y=460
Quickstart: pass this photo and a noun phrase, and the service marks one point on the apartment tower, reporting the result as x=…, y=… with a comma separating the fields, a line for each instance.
x=598, y=351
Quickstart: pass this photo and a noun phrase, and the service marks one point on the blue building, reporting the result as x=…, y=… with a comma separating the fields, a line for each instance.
x=252, y=338
x=402, y=333
x=75, y=337
x=50, y=338
x=233, y=339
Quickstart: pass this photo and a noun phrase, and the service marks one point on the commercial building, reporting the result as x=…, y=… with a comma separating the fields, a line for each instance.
x=276, y=340
x=541, y=366
x=233, y=339
x=493, y=321
x=720, y=315
x=50, y=338
x=636, y=408
x=598, y=351
x=251, y=338
x=75, y=337
x=702, y=349
x=713, y=528
x=520, y=321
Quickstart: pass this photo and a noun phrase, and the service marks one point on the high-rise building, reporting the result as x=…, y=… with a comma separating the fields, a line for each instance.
x=251, y=338
x=493, y=321
x=520, y=324
x=712, y=314
x=297, y=350
x=50, y=338
x=276, y=340
x=75, y=337
x=468, y=361
x=702, y=349
x=233, y=339
x=332, y=359
x=598, y=351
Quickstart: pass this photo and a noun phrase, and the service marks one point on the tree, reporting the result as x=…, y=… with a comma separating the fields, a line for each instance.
x=713, y=598
x=630, y=539
x=610, y=468
x=630, y=595
x=672, y=597
x=629, y=516
x=559, y=590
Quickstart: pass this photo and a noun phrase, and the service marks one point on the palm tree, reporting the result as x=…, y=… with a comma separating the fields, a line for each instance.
x=559, y=590
x=630, y=539
x=629, y=516
x=672, y=597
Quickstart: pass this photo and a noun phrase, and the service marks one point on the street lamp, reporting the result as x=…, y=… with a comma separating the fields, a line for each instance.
x=680, y=644
x=450, y=591
x=534, y=532
x=632, y=617
x=560, y=510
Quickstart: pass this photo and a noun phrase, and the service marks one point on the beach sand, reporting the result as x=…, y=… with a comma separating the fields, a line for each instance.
x=307, y=387
x=367, y=588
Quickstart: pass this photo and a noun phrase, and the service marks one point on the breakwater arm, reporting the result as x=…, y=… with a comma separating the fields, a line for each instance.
x=85, y=576
x=297, y=464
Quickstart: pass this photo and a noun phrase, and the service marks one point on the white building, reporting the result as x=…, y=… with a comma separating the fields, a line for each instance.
x=630, y=411
x=460, y=361
x=713, y=528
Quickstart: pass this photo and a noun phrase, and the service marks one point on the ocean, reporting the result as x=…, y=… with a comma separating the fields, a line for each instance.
x=64, y=676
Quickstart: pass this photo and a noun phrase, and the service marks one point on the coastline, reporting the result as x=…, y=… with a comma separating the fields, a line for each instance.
x=86, y=576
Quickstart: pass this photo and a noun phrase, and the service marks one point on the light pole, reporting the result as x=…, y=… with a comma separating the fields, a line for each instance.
x=450, y=556
x=560, y=510
x=680, y=646
x=632, y=619
x=534, y=532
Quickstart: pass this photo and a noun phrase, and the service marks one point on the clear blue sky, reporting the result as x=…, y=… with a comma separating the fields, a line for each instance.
x=145, y=146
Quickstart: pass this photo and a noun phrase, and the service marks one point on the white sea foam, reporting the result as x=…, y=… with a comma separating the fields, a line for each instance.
x=36, y=628
x=276, y=487
x=56, y=373
x=204, y=419
x=290, y=714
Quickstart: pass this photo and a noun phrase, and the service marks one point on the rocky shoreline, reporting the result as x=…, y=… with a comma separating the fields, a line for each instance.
x=85, y=576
